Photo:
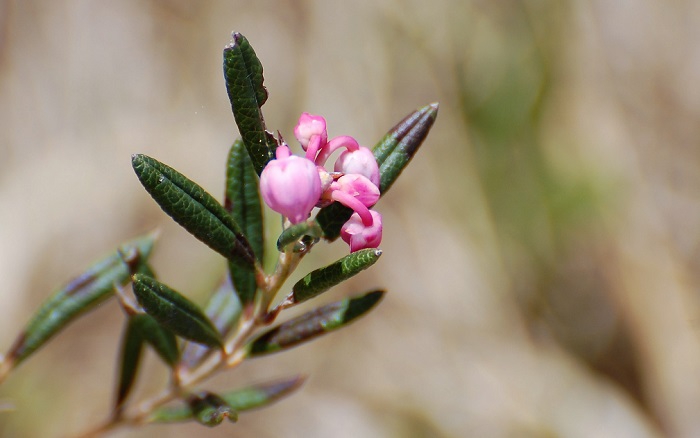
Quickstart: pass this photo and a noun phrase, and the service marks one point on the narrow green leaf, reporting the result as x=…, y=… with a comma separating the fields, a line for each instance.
x=253, y=397
x=223, y=310
x=132, y=346
x=244, y=83
x=194, y=209
x=263, y=394
x=210, y=409
x=80, y=295
x=320, y=280
x=161, y=339
x=296, y=232
x=142, y=328
x=175, y=312
x=313, y=324
x=243, y=202
x=393, y=153
x=400, y=144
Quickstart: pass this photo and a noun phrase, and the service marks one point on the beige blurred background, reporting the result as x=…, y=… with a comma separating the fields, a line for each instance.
x=541, y=253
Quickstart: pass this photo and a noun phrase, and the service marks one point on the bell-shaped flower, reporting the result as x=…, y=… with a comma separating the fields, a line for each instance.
x=311, y=133
x=359, y=161
x=359, y=235
x=359, y=187
x=356, y=192
x=290, y=185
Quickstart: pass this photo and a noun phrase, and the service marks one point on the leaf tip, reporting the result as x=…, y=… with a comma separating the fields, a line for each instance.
x=154, y=234
x=295, y=382
x=281, y=388
x=137, y=163
x=236, y=38
x=374, y=297
x=361, y=305
x=430, y=110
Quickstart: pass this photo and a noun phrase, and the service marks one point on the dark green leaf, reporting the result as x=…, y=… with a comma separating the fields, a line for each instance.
x=132, y=346
x=331, y=219
x=244, y=83
x=400, y=144
x=195, y=209
x=243, y=202
x=223, y=310
x=393, y=153
x=142, y=328
x=175, y=312
x=313, y=324
x=295, y=232
x=210, y=409
x=161, y=339
x=79, y=296
x=320, y=280
x=245, y=399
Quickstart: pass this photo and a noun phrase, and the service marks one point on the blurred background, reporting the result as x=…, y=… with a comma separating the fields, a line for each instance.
x=542, y=253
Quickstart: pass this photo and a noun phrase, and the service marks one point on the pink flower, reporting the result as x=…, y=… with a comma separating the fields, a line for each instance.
x=360, y=161
x=356, y=192
x=290, y=185
x=311, y=133
x=360, y=236
x=359, y=187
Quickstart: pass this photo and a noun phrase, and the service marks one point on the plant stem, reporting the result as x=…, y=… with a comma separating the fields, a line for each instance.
x=232, y=355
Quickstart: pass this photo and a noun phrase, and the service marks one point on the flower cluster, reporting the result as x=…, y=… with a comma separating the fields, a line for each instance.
x=293, y=186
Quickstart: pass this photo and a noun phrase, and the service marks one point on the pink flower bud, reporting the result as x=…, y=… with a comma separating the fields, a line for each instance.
x=359, y=187
x=360, y=236
x=309, y=126
x=360, y=161
x=290, y=185
x=356, y=192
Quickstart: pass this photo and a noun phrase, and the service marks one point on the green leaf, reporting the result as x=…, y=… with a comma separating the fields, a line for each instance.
x=393, y=153
x=296, y=232
x=139, y=328
x=243, y=202
x=223, y=310
x=132, y=346
x=175, y=312
x=244, y=83
x=195, y=210
x=210, y=409
x=81, y=295
x=331, y=219
x=161, y=339
x=400, y=144
x=313, y=324
x=320, y=280
x=263, y=394
x=253, y=397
